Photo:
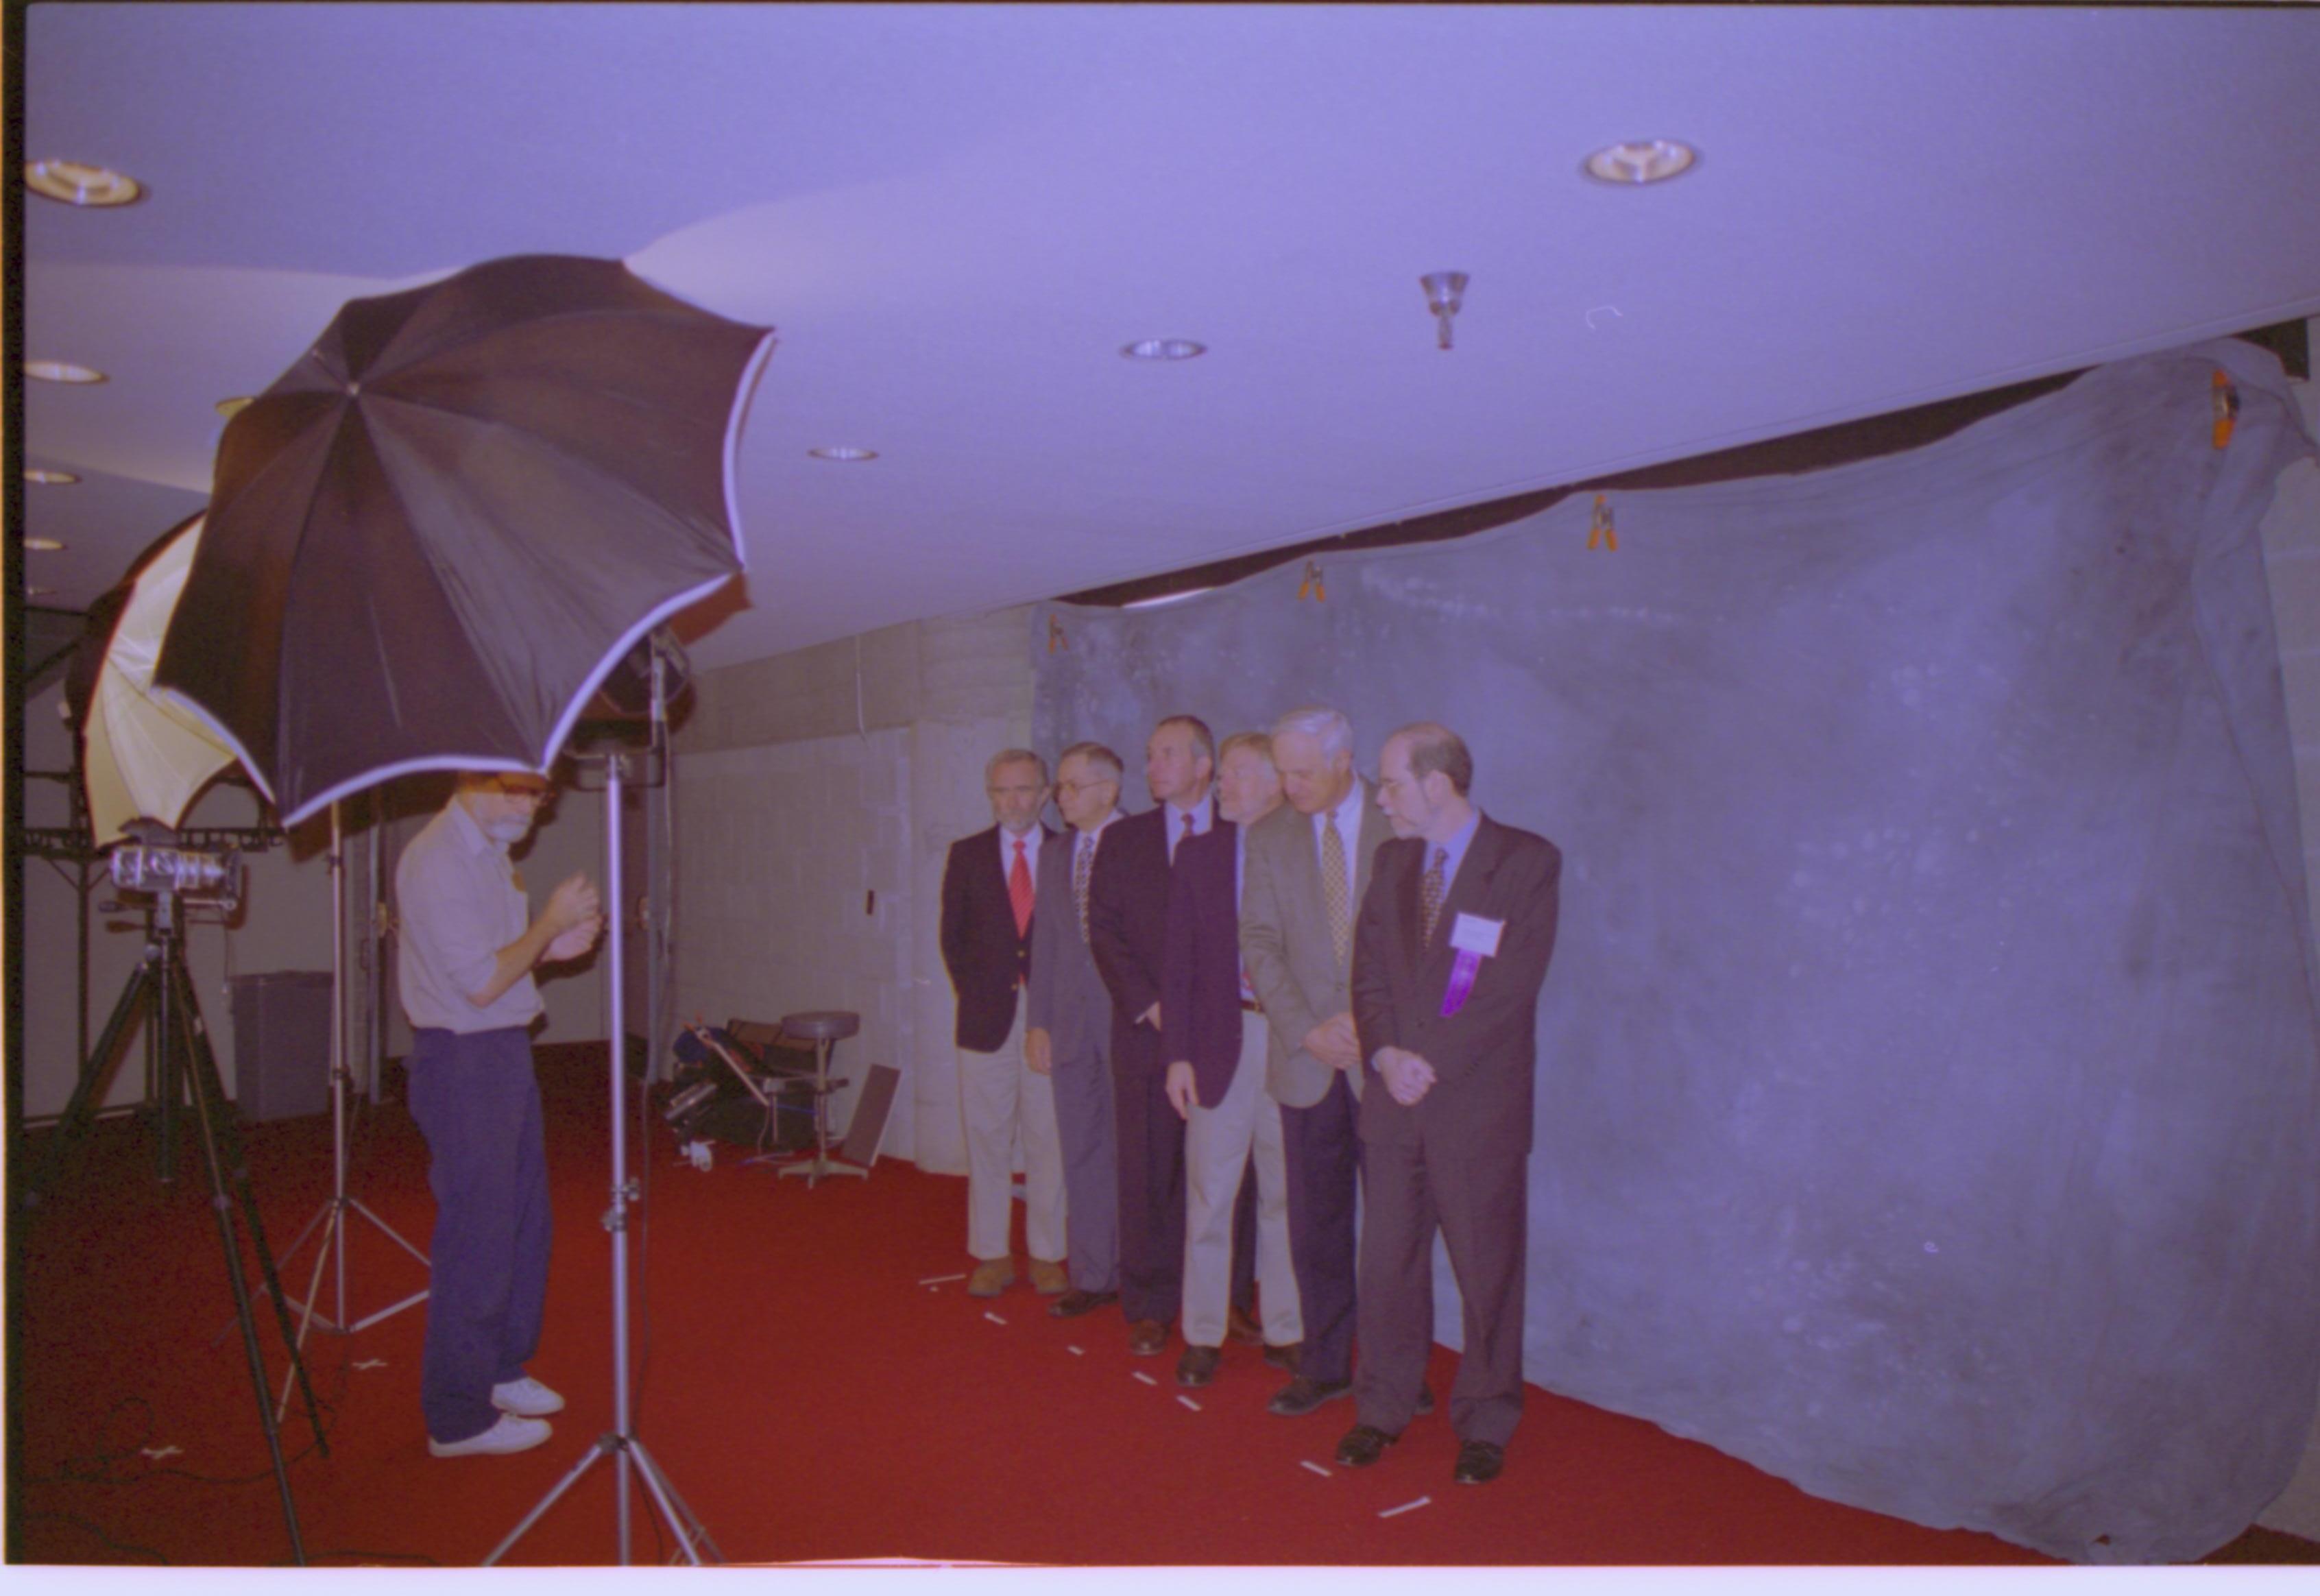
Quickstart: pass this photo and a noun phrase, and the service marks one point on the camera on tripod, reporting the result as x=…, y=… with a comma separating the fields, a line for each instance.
x=151, y=860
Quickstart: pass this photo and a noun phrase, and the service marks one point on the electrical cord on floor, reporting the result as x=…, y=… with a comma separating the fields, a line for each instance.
x=146, y=1553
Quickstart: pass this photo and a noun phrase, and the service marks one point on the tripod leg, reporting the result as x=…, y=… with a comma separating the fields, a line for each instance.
x=691, y=1535
x=207, y=1117
x=217, y=1127
x=95, y=1075
x=606, y=1443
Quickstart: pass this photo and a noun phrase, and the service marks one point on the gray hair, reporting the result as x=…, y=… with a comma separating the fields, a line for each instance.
x=1013, y=757
x=1328, y=727
x=1095, y=754
x=1260, y=742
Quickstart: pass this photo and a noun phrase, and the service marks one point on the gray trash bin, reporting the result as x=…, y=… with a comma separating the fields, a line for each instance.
x=281, y=1044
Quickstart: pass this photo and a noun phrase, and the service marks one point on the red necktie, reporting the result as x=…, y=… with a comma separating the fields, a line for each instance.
x=1019, y=890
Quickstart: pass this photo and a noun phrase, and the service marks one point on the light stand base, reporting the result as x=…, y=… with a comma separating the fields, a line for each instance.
x=691, y=1537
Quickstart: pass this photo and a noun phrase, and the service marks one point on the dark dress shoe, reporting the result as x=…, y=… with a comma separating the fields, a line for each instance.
x=1075, y=1301
x=1239, y=1327
x=1424, y=1400
x=1146, y=1337
x=1479, y=1463
x=1198, y=1366
x=1363, y=1445
x=1300, y=1396
x=1284, y=1356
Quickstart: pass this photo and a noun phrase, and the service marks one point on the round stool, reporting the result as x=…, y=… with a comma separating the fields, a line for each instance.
x=825, y=1028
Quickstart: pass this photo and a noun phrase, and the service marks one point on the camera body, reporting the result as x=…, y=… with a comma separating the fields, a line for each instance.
x=159, y=867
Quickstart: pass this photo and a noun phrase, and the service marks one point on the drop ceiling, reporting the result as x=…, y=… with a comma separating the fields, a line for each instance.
x=956, y=216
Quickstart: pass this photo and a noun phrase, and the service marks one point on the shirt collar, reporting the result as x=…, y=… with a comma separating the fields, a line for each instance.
x=1456, y=849
x=1348, y=815
x=471, y=835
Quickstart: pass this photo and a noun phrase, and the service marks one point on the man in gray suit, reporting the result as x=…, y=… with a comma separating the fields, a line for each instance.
x=1308, y=867
x=1067, y=1034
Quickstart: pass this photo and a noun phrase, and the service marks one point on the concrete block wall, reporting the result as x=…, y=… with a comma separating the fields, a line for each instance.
x=817, y=796
x=2291, y=552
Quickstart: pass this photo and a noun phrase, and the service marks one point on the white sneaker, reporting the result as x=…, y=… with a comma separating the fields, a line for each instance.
x=526, y=1398
x=511, y=1434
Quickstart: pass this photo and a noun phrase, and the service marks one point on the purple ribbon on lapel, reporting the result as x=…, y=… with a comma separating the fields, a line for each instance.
x=1461, y=981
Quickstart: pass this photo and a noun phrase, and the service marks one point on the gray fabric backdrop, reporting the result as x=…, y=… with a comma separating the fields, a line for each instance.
x=1927, y=1102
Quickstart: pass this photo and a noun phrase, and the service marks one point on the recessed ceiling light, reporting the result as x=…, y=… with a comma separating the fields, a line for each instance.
x=231, y=408
x=1164, y=348
x=41, y=473
x=61, y=371
x=78, y=183
x=43, y=546
x=842, y=451
x=1641, y=160
x=40, y=591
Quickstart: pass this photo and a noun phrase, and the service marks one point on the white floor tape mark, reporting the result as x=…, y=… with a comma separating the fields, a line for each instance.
x=1189, y=1402
x=1148, y=1379
x=994, y=1319
x=941, y=1279
x=1317, y=1468
x=1406, y=1507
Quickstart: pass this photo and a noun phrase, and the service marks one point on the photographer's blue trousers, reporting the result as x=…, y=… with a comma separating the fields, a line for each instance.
x=477, y=1103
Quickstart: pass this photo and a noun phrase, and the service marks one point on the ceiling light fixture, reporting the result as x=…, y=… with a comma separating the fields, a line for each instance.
x=41, y=592
x=61, y=371
x=1446, y=290
x=80, y=183
x=1164, y=348
x=42, y=474
x=231, y=408
x=42, y=545
x=842, y=452
x=1641, y=160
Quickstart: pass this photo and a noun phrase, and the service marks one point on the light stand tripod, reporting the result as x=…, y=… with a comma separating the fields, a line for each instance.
x=332, y=1215
x=161, y=986
x=620, y=1443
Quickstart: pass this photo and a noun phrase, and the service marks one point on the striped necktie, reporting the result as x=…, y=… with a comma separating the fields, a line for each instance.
x=1083, y=863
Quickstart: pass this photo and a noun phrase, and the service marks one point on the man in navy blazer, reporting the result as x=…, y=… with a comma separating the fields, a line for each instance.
x=1215, y=1039
x=988, y=892
x=1450, y=952
x=1128, y=929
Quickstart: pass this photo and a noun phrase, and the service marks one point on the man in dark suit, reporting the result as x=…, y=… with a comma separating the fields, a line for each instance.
x=1455, y=932
x=1069, y=1020
x=988, y=893
x=1308, y=865
x=1214, y=1037
x=1127, y=931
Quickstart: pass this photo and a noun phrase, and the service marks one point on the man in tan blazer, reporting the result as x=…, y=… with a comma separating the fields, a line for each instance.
x=1308, y=867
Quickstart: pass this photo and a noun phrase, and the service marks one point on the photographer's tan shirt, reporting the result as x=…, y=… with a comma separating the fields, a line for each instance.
x=456, y=893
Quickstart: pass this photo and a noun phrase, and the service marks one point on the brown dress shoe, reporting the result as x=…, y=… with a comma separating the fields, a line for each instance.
x=1049, y=1279
x=1075, y=1301
x=991, y=1277
x=1239, y=1327
x=1146, y=1337
x=1479, y=1463
x=1198, y=1366
x=1362, y=1445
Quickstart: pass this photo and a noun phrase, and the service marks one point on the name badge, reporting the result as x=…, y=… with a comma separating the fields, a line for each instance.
x=1473, y=934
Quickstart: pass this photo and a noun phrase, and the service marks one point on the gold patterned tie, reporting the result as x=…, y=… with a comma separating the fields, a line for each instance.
x=1333, y=896
x=1429, y=895
x=1083, y=862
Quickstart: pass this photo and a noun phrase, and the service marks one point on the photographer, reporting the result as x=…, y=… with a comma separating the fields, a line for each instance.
x=465, y=962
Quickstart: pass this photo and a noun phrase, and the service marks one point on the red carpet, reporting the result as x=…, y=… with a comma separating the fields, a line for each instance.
x=799, y=1387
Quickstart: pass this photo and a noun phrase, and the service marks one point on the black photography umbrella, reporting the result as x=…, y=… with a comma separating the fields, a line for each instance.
x=429, y=539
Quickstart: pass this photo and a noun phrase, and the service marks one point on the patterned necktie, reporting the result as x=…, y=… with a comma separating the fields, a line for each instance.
x=1333, y=896
x=1429, y=895
x=1182, y=836
x=1083, y=862
x=1019, y=890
